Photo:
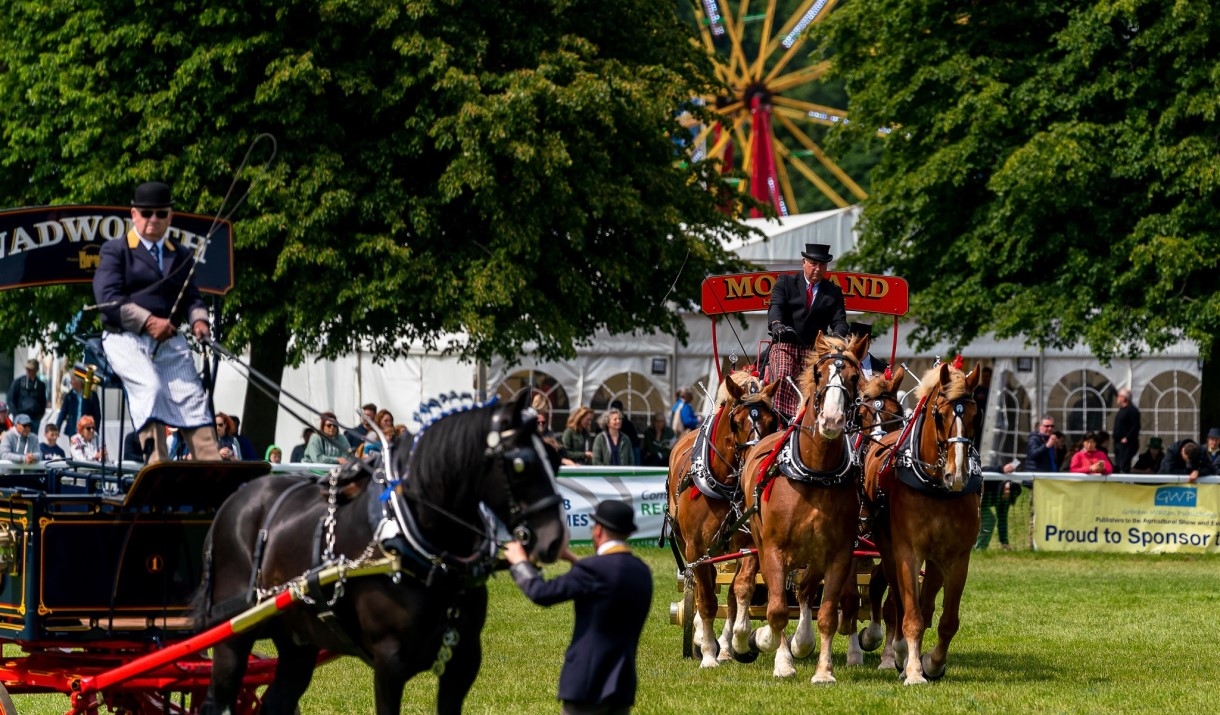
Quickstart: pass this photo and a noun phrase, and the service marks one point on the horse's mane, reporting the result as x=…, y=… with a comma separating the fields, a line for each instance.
x=743, y=379
x=874, y=387
x=448, y=452
x=953, y=389
x=844, y=345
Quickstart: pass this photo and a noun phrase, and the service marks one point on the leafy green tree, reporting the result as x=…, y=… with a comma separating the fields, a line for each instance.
x=1051, y=169
x=503, y=172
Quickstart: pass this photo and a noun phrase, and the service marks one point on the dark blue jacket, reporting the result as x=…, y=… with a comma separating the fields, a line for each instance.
x=130, y=287
x=612, y=594
x=1038, y=456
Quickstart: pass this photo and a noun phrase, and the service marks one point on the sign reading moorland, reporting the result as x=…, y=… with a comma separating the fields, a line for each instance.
x=52, y=245
x=746, y=292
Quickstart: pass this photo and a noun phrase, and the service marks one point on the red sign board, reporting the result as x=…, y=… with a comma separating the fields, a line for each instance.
x=863, y=292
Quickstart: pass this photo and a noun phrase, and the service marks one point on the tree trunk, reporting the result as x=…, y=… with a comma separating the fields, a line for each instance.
x=260, y=411
x=1209, y=393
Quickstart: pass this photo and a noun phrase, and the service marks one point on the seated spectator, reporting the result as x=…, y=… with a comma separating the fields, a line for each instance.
x=578, y=437
x=629, y=429
x=19, y=445
x=178, y=448
x=274, y=455
x=1213, y=448
x=658, y=441
x=6, y=422
x=1042, y=448
x=247, y=447
x=359, y=434
x=85, y=444
x=1150, y=461
x=612, y=446
x=226, y=438
x=298, y=452
x=326, y=446
x=384, y=420
x=49, y=448
x=1186, y=457
x=133, y=447
x=1090, y=459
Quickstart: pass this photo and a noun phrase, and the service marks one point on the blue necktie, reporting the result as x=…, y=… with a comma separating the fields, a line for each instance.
x=155, y=250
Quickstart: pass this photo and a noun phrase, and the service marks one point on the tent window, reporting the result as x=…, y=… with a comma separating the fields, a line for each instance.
x=540, y=382
x=640, y=397
x=1169, y=408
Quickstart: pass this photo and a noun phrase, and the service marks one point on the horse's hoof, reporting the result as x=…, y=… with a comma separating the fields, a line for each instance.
x=709, y=663
x=748, y=656
x=914, y=681
x=869, y=640
x=854, y=659
x=928, y=671
x=822, y=679
x=886, y=664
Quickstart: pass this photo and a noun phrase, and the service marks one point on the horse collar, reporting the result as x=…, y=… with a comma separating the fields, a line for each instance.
x=700, y=467
x=791, y=466
x=913, y=472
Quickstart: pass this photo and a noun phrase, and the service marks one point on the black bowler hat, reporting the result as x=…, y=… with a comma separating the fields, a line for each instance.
x=152, y=195
x=860, y=329
x=817, y=252
x=615, y=516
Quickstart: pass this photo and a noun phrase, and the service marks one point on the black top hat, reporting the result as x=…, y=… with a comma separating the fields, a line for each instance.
x=860, y=329
x=152, y=195
x=817, y=252
x=615, y=516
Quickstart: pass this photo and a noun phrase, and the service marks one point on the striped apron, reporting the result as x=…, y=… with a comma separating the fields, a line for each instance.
x=163, y=388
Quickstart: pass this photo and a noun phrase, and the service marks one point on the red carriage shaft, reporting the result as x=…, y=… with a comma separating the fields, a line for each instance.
x=240, y=623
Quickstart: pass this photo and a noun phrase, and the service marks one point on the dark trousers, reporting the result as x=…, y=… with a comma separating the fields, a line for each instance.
x=1124, y=455
x=997, y=522
x=571, y=707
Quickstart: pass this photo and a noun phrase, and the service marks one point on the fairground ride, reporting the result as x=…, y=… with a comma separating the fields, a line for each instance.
x=769, y=116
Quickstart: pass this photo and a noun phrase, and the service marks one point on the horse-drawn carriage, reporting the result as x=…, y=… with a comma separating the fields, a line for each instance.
x=783, y=500
x=114, y=582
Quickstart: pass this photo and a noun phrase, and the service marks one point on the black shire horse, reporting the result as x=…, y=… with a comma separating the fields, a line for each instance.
x=475, y=454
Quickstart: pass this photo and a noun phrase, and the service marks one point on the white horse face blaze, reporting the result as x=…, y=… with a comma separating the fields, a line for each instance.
x=833, y=416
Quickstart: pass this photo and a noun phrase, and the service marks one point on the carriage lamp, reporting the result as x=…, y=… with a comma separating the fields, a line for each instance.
x=8, y=549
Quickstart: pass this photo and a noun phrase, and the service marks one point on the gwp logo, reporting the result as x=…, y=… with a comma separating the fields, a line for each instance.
x=1177, y=496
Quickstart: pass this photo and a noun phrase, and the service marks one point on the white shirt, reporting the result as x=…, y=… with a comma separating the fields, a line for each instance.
x=607, y=545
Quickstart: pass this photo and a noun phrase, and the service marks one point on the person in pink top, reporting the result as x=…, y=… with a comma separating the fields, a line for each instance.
x=1090, y=460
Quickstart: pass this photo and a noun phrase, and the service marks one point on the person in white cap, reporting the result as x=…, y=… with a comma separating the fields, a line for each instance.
x=19, y=445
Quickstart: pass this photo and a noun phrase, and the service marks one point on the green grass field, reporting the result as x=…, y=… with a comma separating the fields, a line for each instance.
x=1046, y=633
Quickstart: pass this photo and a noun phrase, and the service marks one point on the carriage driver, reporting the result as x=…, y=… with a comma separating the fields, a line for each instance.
x=137, y=285
x=801, y=305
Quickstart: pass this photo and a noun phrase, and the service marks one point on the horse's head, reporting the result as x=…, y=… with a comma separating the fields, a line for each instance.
x=955, y=420
x=749, y=404
x=879, y=409
x=830, y=382
x=532, y=506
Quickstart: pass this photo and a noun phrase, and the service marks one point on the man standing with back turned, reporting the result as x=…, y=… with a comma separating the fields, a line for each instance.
x=137, y=286
x=801, y=305
x=612, y=592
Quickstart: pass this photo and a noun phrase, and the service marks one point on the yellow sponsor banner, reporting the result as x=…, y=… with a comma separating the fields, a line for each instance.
x=1126, y=518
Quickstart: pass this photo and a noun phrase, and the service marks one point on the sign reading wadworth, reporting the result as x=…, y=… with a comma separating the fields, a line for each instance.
x=863, y=292
x=51, y=245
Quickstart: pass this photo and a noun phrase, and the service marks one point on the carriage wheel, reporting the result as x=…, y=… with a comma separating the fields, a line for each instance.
x=6, y=703
x=688, y=620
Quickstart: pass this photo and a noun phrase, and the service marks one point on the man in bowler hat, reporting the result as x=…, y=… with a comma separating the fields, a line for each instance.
x=612, y=593
x=802, y=305
x=145, y=292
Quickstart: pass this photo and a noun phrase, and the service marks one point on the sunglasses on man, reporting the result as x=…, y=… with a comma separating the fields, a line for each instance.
x=159, y=213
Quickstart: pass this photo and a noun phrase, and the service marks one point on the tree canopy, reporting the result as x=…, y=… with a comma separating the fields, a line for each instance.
x=1050, y=168
x=445, y=168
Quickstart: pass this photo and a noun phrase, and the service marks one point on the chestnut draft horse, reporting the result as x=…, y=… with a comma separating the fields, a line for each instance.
x=878, y=412
x=928, y=483
x=808, y=518
x=705, y=496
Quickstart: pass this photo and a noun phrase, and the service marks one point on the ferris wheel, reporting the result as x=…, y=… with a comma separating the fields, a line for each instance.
x=768, y=120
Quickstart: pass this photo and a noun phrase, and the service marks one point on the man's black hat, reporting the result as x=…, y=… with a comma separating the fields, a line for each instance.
x=152, y=195
x=817, y=252
x=615, y=516
x=860, y=329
